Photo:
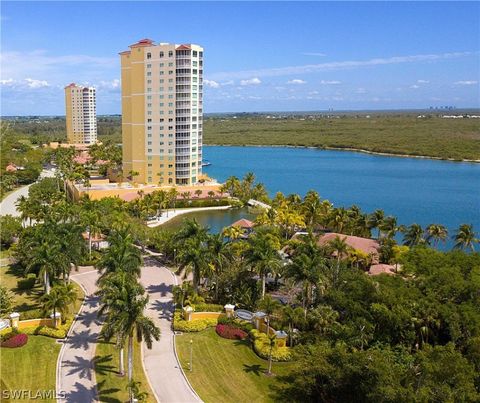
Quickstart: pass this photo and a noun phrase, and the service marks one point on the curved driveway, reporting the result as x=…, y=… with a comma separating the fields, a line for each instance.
x=75, y=367
x=75, y=370
x=161, y=366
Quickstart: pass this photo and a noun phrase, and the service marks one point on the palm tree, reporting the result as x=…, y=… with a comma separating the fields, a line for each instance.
x=376, y=219
x=436, y=233
x=389, y=227
x=172, y=197
x=233, y=232
x=292, y=316
x=413, y=235
x=211, y=194
x=339, y=219
x=60, y=299
x=465, y=238
x=122, y=255
x=272, y=341
x=269, y=306
x=123, y=303
x=193, y=258
x=198, y=193
x=262, y=255
x=339, y=247
x=323, y=318
x=219, y=256
x=46, y=256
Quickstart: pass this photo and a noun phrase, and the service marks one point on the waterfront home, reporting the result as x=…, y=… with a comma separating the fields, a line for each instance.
x=368, y=246
x=245, y=225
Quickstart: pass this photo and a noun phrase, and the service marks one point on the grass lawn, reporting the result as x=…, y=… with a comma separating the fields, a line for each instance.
x=31, y=367
x=27, y=301
x=227, y=370
x=111, y=387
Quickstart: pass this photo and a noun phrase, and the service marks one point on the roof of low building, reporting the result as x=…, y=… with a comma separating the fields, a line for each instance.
x=366, y=245
x=243, y=223
x=377, y=269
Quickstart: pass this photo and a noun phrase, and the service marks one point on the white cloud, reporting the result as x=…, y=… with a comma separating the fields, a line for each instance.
x=251, y=81
x=330, y=82
x=296, y=81
x=313, y=93
x=414, y=86
x=211, y=83
x=313, y=54
x=36, y=83
x=109, y=85
x=467, y=82
x=341, y=65
x=8, y=82
x=361, y=91
x=422, y=81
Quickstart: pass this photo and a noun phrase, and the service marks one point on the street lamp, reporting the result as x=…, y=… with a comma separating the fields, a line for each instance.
x=191, y=354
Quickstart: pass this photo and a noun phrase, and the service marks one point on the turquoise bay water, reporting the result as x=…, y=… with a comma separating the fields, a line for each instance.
x=414, y=190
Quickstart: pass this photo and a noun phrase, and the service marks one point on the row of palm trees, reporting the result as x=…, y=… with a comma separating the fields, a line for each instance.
x=123, y=300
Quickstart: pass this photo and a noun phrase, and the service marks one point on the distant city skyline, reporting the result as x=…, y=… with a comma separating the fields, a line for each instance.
x=286, y=56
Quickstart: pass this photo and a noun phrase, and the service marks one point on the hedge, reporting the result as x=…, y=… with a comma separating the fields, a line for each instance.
x=181, y=325
x=203, y=307
x=262, y=348
x=58, y=333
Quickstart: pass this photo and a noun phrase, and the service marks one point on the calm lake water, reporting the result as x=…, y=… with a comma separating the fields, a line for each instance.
x=414, y=190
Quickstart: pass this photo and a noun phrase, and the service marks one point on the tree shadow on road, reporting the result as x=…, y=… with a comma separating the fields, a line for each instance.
x=162, y=288
x=81, y=340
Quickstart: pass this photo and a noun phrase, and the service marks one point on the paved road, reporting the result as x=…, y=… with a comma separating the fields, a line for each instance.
x=8, y=204
x=161, y=365
x=75, y=366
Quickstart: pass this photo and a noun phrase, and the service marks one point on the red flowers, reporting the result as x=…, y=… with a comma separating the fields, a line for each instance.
x=230, y=332
x=15, y=341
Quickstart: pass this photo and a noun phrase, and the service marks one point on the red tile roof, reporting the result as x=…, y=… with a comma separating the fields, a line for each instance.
x=377, y=269
x=366, y=245
x=184, y=47
x=243, y=223
x=142, y=42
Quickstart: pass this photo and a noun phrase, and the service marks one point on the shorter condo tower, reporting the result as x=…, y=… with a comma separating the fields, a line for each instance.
x=81, y=115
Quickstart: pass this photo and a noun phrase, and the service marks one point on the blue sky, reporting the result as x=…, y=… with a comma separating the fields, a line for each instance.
x=269, y=56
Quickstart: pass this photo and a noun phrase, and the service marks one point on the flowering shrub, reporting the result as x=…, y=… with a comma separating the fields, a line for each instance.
x=230, y=332
x=17, y=340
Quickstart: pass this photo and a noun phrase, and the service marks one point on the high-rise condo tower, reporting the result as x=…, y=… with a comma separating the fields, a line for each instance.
x=81, y=115
x=162, y=112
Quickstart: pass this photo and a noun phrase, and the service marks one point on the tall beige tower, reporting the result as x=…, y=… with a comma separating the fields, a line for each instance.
x=162, y=112
x=81, y=114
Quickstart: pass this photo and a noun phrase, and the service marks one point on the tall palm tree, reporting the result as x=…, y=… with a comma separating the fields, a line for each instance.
x=269, y=306
x=60, y=299
x=123, y=302
x=376, y=219
x=272, y=341
x=413, y=235
x=219, y=256
x=262, y=255
x=292, y=317
x=122, y=255
x=193, y=258
x=388, y=227
x=465, y=238
x=47, y=257
x=436, y=233
x=312, y=208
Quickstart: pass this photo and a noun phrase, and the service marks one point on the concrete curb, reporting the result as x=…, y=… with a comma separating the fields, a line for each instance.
x=175, y=280
x=146, y=374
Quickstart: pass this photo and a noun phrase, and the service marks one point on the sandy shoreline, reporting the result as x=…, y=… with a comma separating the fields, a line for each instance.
x=358, y=150
x=167, y=215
